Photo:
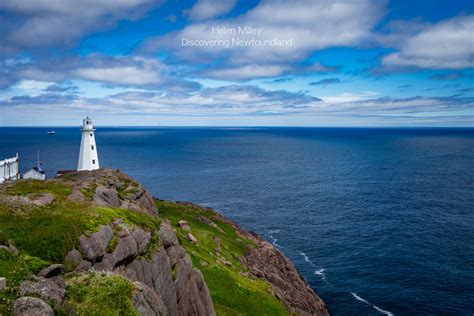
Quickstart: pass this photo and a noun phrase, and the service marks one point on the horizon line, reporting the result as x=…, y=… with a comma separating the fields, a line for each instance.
x=238, y=126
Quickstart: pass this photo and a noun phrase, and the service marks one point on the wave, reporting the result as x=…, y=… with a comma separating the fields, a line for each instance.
x=274, y=240
x=321, y=273
x=306, y=258
x=357, y=297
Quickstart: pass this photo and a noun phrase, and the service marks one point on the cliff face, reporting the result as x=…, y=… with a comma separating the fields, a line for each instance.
x=90, y=242
x=264, y=261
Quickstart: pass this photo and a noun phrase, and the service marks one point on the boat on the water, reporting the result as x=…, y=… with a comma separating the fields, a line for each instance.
x=51, y=132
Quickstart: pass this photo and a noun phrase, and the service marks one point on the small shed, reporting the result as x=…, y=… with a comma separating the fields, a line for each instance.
x=35, y=173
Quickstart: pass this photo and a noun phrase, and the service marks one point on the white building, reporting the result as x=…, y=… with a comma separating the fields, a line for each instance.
x=35, y=173
x=88, y=158
x=9, y=169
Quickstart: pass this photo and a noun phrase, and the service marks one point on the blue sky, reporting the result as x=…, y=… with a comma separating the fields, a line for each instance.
x=295, y=63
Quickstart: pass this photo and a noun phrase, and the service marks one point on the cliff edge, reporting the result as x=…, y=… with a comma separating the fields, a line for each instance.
x=94, y=243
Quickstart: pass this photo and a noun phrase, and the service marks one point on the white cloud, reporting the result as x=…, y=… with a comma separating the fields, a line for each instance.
x=310, y=25
x=208, y=9
x=246, y=72
x=29, y=87
x=448, y=44
x=349, y=97
x=31, y=23
x=121, y=75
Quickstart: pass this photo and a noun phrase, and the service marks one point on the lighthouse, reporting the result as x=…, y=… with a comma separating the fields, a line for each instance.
x=88, y=158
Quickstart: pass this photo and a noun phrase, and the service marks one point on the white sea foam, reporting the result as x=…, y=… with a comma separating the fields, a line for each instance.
x=357, y=297
x=274, y=240
x=321, y=273
x=306, y=258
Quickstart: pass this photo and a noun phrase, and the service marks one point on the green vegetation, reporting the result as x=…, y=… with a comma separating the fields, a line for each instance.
x=100, y=294
x=50, y=232
x=89, y=191
x=44, y=235
x=36, y=187
x=153, y=245
x=233, y=291
x=16, y=268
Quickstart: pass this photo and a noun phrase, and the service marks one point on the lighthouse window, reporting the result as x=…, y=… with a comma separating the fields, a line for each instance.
x=92, y=147
x=93, y=161
x=90, y=134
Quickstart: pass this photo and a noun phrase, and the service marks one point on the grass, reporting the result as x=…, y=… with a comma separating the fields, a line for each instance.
x=100, y=294
x=50, y=232
x=45, y=234
x=232, y=291
x=36, y=187
x=16, y=268
x=89, y=191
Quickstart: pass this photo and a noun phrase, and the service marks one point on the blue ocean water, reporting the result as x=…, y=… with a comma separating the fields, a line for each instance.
x=379, y=221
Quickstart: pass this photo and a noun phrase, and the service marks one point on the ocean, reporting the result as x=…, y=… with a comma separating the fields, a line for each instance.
x=378, y=220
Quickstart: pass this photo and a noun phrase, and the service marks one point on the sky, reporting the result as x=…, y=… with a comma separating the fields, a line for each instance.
x=237, y=63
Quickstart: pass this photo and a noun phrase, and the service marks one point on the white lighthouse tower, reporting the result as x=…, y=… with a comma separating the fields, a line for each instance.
x=88, y=158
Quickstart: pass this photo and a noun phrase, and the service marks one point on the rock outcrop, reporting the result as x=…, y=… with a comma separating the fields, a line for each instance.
x=111, y=188
x=167, y=283
x=265, y=261
x=144, y=251
x=31, y=306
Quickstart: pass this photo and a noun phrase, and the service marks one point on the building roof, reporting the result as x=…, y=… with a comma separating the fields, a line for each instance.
x=37, y=170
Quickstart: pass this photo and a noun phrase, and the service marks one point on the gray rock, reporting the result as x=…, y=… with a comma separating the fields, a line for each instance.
x=191, y=238
x=73, y=259
x=167, y=235
x=31, y=306
x=84, y=266
x=106, y=264
x=175, y=253
x=147, y=302
x=163, y=280
x=223, y=262
x=147, y=203
x=140, y=270
x=126, y=249
x=51, y=271
x=184, y=225
x=59, y=280
x=206, y=221
x=125, y=204
x=192, y=294
x=106, y=197
x=94, y=247
x=76, y=196
x=183, y=273
x=4, y=248
x=46, y=289
x=142, y=238
x=123, y=232
x=203, y=292
x=266, y=261
x=44, y=200
x=134, y=193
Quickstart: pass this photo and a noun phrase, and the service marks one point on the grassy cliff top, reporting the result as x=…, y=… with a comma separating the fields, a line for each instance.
x=43, y=220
